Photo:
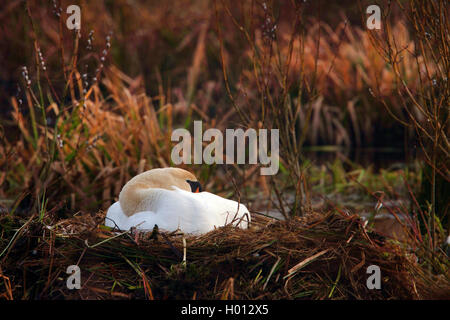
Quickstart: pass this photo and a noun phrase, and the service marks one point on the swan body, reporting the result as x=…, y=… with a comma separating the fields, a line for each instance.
x=177, y=209
x=171, y=199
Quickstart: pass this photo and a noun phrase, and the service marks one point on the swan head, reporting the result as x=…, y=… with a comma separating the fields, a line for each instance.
x=196, y=187
x=140, y=187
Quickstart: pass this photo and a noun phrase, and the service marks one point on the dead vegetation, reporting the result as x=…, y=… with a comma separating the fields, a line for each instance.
x=315, y=257
x=88, y=113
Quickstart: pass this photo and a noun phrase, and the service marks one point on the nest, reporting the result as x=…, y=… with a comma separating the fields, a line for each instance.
x=315, y=257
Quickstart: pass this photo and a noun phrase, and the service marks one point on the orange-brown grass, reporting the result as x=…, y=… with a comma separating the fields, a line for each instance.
x=348, y=75
x=98, y=143
x=66, y=150
x=180, y=50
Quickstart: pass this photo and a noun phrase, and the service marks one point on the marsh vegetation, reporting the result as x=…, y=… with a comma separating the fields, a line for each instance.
x=83, y=111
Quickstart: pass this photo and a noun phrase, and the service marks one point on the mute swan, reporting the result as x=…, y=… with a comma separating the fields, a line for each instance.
x=137, y=192
x=172, y=199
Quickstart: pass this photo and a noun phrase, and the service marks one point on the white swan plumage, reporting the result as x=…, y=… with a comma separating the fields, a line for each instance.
x=173, y=208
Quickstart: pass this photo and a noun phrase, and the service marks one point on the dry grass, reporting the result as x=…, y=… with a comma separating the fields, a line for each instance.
x=316, y=257
x=344, y=78
x=91, y=149
x=337, y=61
x=76, y=135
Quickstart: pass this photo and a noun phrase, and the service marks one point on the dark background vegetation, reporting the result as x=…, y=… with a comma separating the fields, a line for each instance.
x=177, y=55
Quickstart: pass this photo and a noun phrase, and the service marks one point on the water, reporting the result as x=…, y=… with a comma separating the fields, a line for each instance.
x=381, y=158
x=353, y=203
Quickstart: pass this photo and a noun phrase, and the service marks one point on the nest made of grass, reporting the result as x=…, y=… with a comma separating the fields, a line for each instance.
x=315, y=257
